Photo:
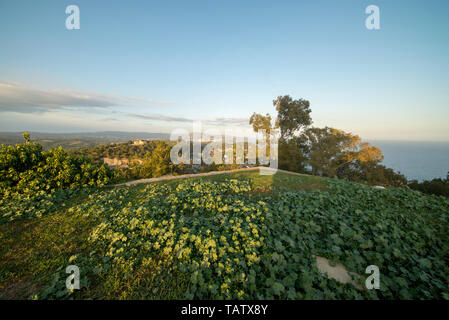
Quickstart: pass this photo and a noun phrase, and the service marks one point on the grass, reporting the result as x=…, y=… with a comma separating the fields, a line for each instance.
x=32, y=250
x=266, y=183
x=118, y=236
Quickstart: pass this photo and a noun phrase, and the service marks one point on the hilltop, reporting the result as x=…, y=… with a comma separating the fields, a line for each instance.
x=240, y=235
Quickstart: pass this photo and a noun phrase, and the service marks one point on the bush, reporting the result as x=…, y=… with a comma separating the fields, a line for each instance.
x=25, y=168
x=372, y=174
x=438, y=186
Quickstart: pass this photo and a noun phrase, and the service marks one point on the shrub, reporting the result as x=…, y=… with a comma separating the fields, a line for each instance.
x=25, y=168
x=436, y=186
x=372, y=174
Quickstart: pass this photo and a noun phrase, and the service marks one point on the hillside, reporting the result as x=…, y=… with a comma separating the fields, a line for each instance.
x=240, y=235
x=71, y=141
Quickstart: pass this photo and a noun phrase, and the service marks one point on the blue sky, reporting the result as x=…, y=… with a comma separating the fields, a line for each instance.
x=155, y=65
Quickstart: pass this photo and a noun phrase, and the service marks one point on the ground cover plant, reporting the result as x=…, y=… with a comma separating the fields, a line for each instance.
x=242, y=236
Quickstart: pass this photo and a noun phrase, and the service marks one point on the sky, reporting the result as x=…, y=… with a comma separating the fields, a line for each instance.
x=154, y=66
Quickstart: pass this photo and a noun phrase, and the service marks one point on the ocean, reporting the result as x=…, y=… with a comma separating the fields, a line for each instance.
x=416, y=160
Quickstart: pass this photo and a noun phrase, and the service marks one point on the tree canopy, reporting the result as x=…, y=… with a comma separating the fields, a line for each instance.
x=293, y=115
x=327, y=149
x=322, y=151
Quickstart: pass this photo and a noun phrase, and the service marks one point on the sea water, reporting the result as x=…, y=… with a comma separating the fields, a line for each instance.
x=416, y=159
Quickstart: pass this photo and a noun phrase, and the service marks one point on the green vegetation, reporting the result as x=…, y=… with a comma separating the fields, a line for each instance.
x=29, y=173
x=233, y=236
x=326, y=152
x=230, y=236
x=122, y=150
x=435, y=186
x=149, y=159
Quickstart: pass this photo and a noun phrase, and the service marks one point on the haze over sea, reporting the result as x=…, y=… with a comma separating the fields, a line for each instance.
x=420, y=160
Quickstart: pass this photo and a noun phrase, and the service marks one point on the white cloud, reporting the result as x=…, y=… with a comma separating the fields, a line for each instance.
x=219, y=121
x=17, y=98
x=159, y=117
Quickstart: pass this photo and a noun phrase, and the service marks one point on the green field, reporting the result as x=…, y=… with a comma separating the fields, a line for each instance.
x=242, y=236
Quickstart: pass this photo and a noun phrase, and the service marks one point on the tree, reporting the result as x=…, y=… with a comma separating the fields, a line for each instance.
x=291, y=156
x=327, y=149
x=157, y=162
x=371, y=173
x=293, y=115
x=436, y=186
x=260, y=122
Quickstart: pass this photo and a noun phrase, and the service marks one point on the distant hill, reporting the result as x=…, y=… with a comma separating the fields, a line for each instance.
x=79, y=139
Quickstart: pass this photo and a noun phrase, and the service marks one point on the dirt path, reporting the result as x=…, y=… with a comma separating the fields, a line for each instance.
x=204, y=174
x=186, y=176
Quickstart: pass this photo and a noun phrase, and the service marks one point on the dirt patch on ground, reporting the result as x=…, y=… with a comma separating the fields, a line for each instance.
x=338, y=272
